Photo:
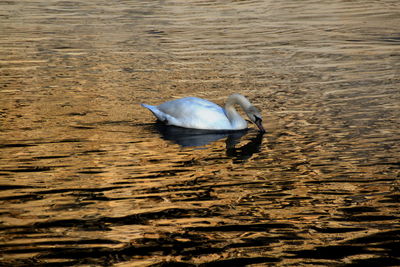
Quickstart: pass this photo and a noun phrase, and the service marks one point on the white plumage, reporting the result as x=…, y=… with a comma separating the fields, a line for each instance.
x=197, y=113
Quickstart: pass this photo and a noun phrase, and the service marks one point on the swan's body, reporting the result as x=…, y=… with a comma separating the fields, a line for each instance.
x=197, y=113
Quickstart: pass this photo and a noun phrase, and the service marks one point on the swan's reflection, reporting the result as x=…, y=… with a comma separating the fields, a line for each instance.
x=186, y=137
x=194, y=137
x=246, y=151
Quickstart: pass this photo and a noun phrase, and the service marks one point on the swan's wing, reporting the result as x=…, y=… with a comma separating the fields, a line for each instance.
x=189, y=105
x=193, y=112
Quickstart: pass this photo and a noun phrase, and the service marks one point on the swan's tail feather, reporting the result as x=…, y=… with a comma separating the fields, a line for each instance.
x=150, y=107
x=159, y=115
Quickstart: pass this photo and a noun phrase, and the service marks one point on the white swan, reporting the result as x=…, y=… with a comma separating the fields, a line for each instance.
x=197, y=113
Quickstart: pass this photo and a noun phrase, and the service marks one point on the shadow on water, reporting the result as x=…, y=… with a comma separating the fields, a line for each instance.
x=195, y=137
x=246, y=151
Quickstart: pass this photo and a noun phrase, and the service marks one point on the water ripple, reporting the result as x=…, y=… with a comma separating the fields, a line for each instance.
x=87, y=178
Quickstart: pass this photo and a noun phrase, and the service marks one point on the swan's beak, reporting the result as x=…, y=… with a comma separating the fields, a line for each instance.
x=258, y=122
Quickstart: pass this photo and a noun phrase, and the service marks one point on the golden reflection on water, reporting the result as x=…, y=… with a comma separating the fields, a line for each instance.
x=86, y=177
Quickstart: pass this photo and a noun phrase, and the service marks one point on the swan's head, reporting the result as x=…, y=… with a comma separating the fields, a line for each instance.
x=255, y=117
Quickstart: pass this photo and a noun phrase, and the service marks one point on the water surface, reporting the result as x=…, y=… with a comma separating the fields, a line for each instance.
x=88, y=178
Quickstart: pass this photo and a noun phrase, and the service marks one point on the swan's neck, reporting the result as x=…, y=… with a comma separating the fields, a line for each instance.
x=234, y=117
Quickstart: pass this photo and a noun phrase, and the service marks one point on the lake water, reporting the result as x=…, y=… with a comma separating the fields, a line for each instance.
x=88, y=178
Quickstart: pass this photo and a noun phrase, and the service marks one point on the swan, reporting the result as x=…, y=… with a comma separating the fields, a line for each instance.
x=198, y=113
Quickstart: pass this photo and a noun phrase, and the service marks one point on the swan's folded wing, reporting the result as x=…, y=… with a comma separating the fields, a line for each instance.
x=192, y=112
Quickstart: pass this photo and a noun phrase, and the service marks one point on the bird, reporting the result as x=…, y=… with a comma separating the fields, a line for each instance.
x=198, y=113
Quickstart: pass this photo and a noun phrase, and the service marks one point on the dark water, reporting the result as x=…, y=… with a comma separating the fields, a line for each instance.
x=87, y=178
